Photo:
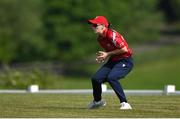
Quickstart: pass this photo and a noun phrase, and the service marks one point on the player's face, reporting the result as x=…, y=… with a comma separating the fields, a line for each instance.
x=98, y=28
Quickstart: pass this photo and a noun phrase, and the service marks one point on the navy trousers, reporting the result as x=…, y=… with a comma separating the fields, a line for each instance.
x=111, y=72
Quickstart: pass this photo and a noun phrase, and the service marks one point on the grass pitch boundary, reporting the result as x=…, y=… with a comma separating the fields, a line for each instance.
x=89, y=91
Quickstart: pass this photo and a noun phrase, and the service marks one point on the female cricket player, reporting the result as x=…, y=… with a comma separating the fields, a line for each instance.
x=119, y=63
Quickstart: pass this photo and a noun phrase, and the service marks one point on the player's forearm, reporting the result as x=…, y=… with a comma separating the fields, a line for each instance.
x=118, y=51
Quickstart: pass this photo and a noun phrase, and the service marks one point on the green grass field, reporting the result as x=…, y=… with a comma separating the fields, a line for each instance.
x=75, y=105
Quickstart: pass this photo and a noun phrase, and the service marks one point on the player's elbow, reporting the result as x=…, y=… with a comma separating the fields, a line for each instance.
x=124, y=49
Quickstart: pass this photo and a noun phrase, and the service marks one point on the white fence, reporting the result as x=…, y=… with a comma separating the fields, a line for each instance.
x=89, y=91
x=168, y=90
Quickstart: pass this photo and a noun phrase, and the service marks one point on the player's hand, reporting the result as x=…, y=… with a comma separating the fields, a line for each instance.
x=101, y=56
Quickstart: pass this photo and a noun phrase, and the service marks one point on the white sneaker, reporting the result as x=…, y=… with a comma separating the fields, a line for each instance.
x=125, y=105
x=95, y=104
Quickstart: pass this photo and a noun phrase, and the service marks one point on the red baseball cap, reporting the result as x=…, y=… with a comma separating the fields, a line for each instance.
x=99, y=20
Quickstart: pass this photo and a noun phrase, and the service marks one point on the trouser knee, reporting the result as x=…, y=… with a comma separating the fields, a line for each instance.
x=96, y=79
x=112, y=79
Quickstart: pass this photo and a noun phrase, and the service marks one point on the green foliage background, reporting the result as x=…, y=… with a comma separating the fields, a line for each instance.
x=21, y=36
x=34, y=30
x=57, y=31
x=73, y=36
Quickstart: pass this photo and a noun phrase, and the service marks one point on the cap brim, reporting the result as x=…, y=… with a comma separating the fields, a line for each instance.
x=91, y=21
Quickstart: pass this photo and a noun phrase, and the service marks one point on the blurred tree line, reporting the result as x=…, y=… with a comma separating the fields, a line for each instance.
x=43, y=30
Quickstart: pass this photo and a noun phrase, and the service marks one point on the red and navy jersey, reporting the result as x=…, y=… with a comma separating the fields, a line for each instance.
x=112, y=40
